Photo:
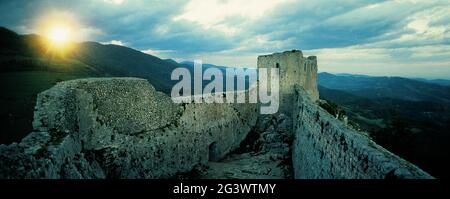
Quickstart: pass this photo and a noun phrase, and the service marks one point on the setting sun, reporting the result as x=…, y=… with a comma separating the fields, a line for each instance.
x=60, y=30
x=59, y=34
x=59, y=37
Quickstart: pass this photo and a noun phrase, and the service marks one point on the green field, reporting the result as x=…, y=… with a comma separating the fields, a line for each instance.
x=18, y=98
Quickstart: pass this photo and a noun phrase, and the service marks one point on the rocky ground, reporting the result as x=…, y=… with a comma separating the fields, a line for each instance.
x=265, y=154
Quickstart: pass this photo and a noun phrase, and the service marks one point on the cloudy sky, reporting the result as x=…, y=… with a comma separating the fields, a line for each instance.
x=396, y=37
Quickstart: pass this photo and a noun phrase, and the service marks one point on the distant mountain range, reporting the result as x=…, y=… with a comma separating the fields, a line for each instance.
x=244, y=71
x=240, y=73
x=387, y=87
x=28, y=53
x=442, y=82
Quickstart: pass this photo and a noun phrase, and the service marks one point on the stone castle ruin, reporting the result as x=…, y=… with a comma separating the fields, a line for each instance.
x=124, y=128
x=294, y=69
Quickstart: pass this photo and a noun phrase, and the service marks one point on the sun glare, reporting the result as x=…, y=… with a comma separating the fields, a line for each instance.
x=59, y=35
x=61, y=31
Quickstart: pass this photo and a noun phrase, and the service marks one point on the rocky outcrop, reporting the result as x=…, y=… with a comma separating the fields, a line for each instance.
x=325, y=148
x=122, y=128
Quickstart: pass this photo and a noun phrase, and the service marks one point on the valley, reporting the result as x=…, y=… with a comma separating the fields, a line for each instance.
x=409, y=117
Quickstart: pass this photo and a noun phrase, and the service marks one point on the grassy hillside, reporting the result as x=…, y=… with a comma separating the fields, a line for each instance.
x=17, y=99
x=113, y=60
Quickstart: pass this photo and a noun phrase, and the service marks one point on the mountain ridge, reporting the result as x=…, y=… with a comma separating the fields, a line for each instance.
x=391, y=87
x=28, y=68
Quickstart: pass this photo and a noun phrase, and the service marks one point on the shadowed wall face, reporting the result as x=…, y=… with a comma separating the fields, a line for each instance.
x=326, y=148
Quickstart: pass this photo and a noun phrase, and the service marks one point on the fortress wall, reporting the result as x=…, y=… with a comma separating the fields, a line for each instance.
x=122, y=128
x=325, y=148
x=294, y=69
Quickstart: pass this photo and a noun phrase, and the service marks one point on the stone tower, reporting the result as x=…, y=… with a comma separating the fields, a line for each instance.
x=294, y=69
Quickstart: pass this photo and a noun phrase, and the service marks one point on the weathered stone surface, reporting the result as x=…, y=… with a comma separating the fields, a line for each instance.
x=294, y=69
x=47, y=155
x=128, y=105
x=325, y=148
x=122, y=128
